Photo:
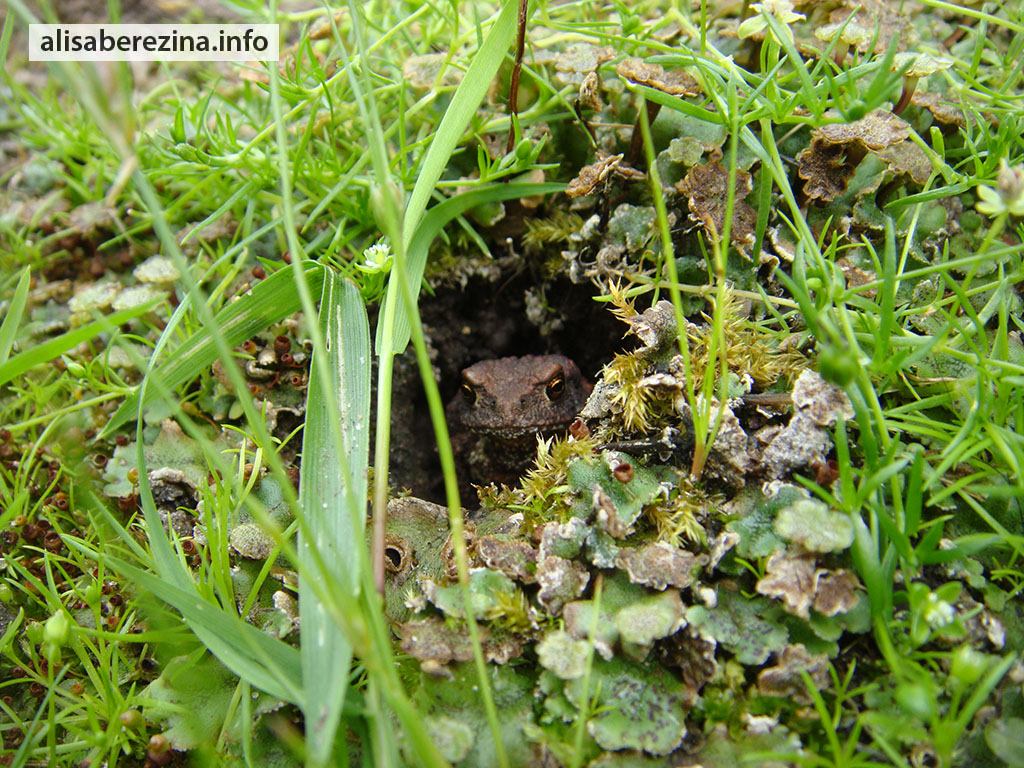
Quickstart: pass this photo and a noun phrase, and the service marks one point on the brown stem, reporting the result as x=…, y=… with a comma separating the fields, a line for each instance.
x=961, y=30
x=517, y=68
x=839, y=54
x=636, y=143
x=586, y=124
x=909, y=85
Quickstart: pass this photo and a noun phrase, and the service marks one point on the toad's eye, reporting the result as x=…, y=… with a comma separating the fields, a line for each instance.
x=469, y=394
x=555, y=388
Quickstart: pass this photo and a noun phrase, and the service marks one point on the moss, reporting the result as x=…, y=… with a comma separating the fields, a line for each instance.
x=749, y=349
x=678, y=517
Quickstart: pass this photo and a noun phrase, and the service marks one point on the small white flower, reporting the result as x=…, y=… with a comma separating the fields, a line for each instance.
x=937, y=612
x=1008, y=195
x=780, y=9
x=377, y=258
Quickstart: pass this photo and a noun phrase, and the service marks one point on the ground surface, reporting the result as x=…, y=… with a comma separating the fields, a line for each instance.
x=783, y=243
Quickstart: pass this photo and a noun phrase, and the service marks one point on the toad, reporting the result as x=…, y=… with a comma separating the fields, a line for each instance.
x=503, y=405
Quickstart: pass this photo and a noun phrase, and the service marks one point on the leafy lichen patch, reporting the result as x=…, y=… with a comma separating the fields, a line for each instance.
x=659, y=565
x=785, y=679
x=707, y=189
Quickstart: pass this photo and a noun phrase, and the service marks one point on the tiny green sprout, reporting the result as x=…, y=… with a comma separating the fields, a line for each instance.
x=75, y=369
x=34, y=632
x=6, y=593
x=178, y=135
x=837, y=365
x=57, y=630
x=524, y=150
x=968, y=665
x=56, y=633
x=522, y=157
x=91, y=594
x=131, y=719
x=1008, y=195
x=780, y=9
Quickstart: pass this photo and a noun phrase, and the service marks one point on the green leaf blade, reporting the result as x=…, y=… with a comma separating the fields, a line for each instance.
x=333, y=500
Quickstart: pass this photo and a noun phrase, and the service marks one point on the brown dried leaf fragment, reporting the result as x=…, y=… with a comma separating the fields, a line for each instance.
x=784, y=679
x=422, y=72
x=824, y=168
x=876, y=130
x=590, y=92
x=907, y=159
x=433, y=640
x=656, y=327
x=730, y=460
x=856, y=277
x=675, y=83
x=836, y=592
x=594, y=175
x=822, y=401
x=325, y=29
x=89, y=218
x=707, y=188
x=805, y=442
x=515, y=558
x=560, y=581
x=435, y=643
x=581, y=58
x=659, y=565
x=945, y=112
x=891, y=19
x=837, y=148
x=691, y=655
x=801, y=443
x=790, y=578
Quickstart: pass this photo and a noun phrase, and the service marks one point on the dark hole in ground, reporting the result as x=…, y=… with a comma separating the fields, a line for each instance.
x=395, y=556
x=482, y=321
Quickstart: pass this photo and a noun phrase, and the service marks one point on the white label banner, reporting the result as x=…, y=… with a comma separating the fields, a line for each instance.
x=153, y=42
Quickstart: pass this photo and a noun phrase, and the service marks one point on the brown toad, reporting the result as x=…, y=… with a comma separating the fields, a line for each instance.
x=504, y=404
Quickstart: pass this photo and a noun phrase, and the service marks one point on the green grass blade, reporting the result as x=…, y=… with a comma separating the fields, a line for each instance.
x=887, y=303
x=914, y=502
x=467, y=98
x=48, y=350
x=264, y=661
x=430, y=226
x=9, y=328
x=334, y=505
x=269, y=301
